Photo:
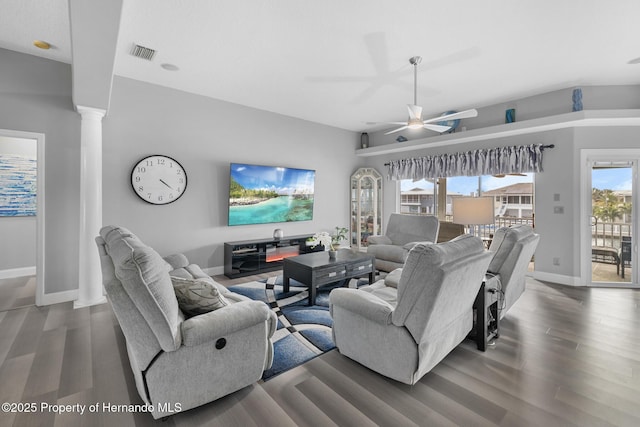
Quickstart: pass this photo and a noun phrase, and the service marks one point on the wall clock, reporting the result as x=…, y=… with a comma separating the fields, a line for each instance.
x=158, y=179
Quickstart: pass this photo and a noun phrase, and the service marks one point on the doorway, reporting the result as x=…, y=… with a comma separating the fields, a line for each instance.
x=29, y=138
x=609, y=234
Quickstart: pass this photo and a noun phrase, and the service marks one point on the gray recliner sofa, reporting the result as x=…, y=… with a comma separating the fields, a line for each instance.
x=178, y=362
x=403, y=233
x=512, y=248
x=402, y=329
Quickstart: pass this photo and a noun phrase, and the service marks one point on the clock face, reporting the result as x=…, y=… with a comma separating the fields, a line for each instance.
x=158, y=180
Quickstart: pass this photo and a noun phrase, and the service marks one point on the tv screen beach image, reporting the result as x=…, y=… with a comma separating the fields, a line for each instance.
x=267, y=194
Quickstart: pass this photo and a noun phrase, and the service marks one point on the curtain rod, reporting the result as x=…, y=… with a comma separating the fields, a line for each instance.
x=541, y=148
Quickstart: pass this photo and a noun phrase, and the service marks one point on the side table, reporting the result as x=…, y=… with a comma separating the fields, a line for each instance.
x=487, y=321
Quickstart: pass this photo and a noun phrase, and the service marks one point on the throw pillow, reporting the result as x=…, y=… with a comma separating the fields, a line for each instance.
x=197, y=296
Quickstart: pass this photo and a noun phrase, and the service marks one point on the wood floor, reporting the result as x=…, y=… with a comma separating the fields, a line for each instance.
x=566, y=357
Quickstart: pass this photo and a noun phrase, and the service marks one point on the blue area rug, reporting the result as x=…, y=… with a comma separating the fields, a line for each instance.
x=303, y=332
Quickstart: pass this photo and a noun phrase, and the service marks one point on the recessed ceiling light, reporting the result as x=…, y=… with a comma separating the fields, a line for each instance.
x=170, y=67
x=634, y=61
x=41, y=44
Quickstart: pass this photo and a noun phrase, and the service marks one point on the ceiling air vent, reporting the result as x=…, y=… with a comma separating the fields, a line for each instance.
x=142, y=52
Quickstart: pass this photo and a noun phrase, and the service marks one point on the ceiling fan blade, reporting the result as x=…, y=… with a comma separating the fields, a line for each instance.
x=415, y=111
x=461, y=115
x=386, y=123
x=397, y=130
x=436, y=128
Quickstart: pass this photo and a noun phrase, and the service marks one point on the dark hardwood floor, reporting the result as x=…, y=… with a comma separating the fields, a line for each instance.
x=566, y=357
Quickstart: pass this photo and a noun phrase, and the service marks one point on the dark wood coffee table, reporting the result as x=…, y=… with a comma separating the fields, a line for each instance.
x=316, y=269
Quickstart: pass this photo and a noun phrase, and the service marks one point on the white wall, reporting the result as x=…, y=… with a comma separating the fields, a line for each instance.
x=205, y=136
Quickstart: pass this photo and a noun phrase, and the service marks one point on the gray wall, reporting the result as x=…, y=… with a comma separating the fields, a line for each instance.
x=35, y=96
x=560, y=233
x=205, y=136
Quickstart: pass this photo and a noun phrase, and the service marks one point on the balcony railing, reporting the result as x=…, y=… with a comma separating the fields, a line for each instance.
x=609, y=234
x=486, y=231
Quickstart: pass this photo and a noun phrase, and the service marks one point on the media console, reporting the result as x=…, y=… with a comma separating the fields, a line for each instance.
x=247, y=257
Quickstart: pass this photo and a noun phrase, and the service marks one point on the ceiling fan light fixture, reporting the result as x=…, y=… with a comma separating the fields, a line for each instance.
x=415, y=124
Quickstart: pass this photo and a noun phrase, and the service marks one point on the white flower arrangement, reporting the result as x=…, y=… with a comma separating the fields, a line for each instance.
x=327, y=240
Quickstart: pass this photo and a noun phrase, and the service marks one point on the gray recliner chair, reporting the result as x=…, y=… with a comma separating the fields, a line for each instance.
x=176, y=360
x=512, y=249
x=403, y=233
x=403, y=332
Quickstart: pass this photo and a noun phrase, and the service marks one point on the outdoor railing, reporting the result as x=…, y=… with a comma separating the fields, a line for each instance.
x=609, y=234
x=486, y=231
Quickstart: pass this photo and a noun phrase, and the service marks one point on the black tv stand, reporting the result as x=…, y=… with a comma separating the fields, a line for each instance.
x=247, y=257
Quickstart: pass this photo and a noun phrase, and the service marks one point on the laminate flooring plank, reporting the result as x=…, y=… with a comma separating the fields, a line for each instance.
x=13, y=377
x=65, y=315
x=264, y=410
x=226, y=411
x=573, y=363
x=73, y=417
x=360, y=397
x=39, y=417
x=597, y=409
x=386, y=389
x=27, y=339
x=517, y=409
x=340, y=411
x=76, y=374
x=44, y=375
x=449, y=408
x=10, y=327
x=537, y=390
x=540, y=348
x=476, y=402
x=283, y=390
x=611, y=341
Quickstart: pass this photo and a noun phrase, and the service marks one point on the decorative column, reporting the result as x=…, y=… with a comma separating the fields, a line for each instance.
x=90, y=290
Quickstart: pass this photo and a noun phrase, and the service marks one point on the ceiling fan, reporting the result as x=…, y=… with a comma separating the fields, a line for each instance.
x=415, y=111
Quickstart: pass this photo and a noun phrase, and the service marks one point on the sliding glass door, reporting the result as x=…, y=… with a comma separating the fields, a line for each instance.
x=612, y=221
x=611, y=216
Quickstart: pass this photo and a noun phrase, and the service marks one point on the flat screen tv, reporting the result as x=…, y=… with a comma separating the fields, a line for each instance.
x=266, y=194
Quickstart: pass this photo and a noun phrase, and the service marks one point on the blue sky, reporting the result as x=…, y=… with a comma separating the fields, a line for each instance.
x=466, y=185
x=611, y=179
x=279, y=179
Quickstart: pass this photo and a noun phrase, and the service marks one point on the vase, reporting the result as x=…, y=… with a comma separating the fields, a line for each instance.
x=332, y=254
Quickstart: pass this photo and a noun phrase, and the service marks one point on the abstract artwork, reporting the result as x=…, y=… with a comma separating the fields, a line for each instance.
x=18, y=172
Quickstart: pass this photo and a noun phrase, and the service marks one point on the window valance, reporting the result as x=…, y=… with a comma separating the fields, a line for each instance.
x=490, y=161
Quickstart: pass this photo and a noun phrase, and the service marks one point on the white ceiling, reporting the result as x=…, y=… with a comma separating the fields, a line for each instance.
x=345, y=63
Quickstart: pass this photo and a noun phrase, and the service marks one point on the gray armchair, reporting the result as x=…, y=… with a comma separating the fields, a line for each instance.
x=176, y=360
x=404, y=332
x=512, y=249
x=403, y=233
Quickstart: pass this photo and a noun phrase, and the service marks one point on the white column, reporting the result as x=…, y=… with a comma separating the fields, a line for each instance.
x=90, y=290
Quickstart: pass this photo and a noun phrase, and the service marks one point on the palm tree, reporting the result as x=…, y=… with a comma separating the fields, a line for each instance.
x=607, y=206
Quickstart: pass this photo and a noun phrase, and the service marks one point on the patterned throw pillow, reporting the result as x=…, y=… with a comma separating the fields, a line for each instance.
x=197, y=296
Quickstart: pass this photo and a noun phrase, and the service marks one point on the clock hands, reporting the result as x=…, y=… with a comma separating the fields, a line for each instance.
x=165, y=183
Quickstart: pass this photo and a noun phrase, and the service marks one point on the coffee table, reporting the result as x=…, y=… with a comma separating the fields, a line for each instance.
x=316, y=269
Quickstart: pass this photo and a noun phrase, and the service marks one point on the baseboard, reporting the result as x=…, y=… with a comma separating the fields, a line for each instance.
x=557, y=278
x=17, y=272
x=58, y=297
x=214, y=271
